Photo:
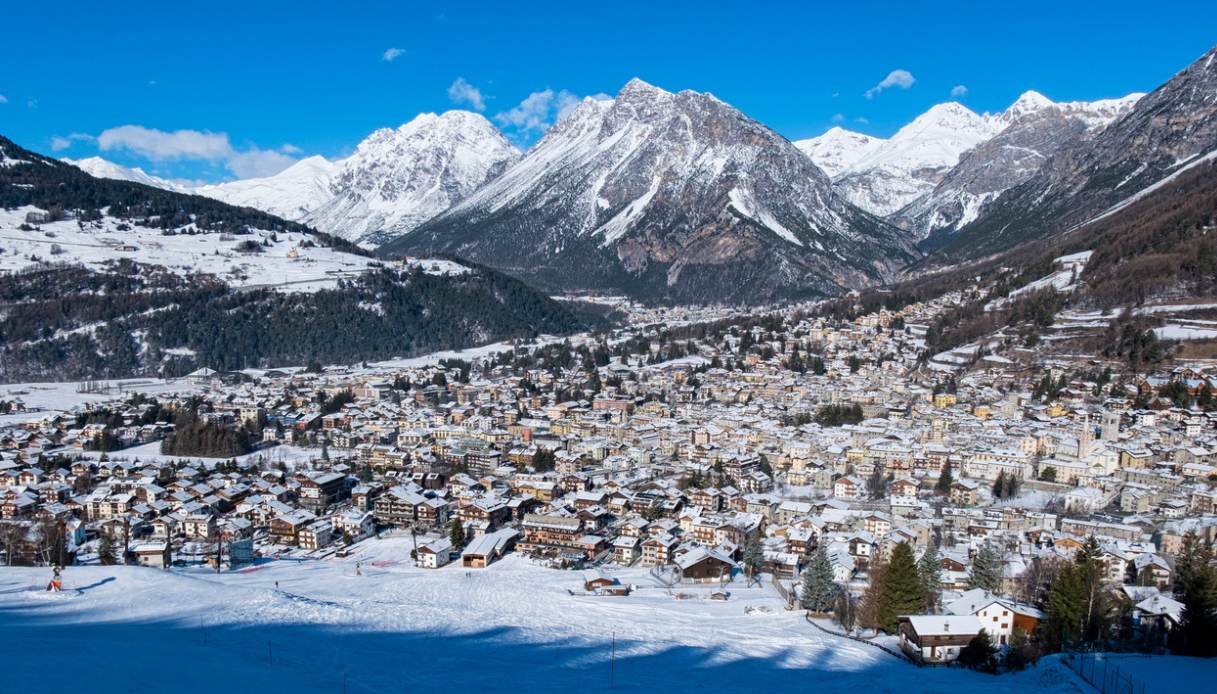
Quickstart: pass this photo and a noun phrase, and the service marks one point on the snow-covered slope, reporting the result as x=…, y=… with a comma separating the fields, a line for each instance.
x=400, y=178
x=911, y=163
x=672, y=195
x=838, y=150
x=1031, y=130
x=103, y=168
x=287, y=261
x=292, y=193
x=885, y=176
x=319, y=626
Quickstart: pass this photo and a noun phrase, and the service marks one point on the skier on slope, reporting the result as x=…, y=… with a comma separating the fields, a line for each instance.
x=56, y=583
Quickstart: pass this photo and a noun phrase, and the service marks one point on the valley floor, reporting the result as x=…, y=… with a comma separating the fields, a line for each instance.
x=317, y=626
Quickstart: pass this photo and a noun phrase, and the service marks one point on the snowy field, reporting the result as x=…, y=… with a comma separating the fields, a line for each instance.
x=283, y=264
x=317, y=626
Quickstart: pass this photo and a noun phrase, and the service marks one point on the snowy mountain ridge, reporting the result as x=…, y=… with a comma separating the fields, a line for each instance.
x=883, y=176
x=292, y=193
x=400, y=178
x=665, y=194
x=396, y=179
x=104, y=168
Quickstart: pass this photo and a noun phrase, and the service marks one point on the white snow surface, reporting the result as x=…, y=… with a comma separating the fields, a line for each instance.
x=291, y=194
x=314, y=625
x=99, y=244
x=838, y=149
x=103, y=168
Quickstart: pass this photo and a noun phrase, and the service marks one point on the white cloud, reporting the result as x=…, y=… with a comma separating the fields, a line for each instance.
x=461, y=92
x=159, y=146
x=564, y=103
x=838, y=117
x=256, y=163
x=3, y=99
x=290, y=149
x=863, y=120
x=62, y=142
x=31, y=103
x=896, y=78
x=537, y=111
x=392, y=54
x=959, y=90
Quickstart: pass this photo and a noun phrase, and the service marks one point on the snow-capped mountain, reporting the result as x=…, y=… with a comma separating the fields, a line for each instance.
x=400, y=178
x=1031, y=130
x=674, y=196
x=292, y=193
x=838, y=150
x=103, y=168
x=882, y=176
x=885, y=177
x=1167, y=131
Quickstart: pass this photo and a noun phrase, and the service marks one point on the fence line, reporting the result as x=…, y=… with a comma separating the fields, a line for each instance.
x=859, y=639
x=1105, y=677
x=787, y=595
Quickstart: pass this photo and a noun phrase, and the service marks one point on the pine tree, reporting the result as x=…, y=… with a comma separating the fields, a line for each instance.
x=846, y=611
x=930, y=573
x=902, y=592
x=456, y=533
x=986, y=569
x=876, y=485
x=1021, y=652
x=1066, y=608
x=980, y=653
x=999, y=485
x=754, y=556
x=818, y=591
x=871, y=604
x=945, y=480
x=105, y=551
x=1198, y=624
x=1185, y=561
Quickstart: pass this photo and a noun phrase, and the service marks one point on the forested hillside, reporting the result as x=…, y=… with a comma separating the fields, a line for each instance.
x=69, y=323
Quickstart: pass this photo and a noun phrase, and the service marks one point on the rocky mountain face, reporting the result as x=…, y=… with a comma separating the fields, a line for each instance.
x=1032, y=129
x=675, y=197
x=400, y=178
x=883, y=176
x=1164, y=134
x=924, y=177
x=292, y=193
x=396, y=179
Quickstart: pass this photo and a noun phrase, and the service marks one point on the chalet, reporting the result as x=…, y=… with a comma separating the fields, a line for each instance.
x=434, y=554
x=285, y=529
x=485, y=549
x=558, y=535
x=626, y=549
x=999, y=616
x=701, y=565
x=937, y=638
x=657, y=550
x=322, y=491
x=153, y=554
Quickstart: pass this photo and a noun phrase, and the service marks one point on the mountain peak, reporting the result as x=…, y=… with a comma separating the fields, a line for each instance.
x=1030, y=100
x=637, y=84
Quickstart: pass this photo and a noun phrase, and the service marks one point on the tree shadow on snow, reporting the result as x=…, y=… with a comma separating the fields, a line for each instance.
x=338, y=658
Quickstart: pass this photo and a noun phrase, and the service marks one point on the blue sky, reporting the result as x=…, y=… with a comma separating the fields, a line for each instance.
x=264, y=82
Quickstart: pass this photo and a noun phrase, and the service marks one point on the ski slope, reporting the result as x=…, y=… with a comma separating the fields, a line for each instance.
x=304, y=626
